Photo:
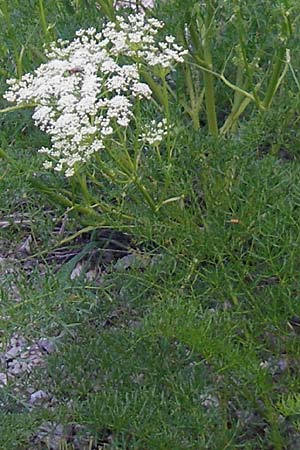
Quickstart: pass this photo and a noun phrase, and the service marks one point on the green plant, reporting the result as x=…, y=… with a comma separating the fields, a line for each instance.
x=257, y=74
x=182, y=333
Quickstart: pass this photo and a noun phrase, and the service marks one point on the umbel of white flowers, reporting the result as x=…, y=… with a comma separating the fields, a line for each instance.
x=134, y=4
x=89, y=85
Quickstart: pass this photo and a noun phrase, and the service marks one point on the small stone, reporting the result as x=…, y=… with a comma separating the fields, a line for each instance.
x=209, y=401
x=282, y=364
x=76, y=272
x=47, y=345
x=37, y=396
x=91, y=275
x=24, y=248
x=12, y=353
x=3, y=379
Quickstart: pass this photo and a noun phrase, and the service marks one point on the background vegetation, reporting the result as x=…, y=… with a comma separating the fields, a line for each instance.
x=185, y=334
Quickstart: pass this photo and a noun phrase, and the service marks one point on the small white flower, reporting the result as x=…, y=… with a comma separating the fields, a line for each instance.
x=155, y=132
x=48, y=164
x=148, y=4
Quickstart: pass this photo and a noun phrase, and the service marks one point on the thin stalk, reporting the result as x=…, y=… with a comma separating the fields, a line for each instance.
x=19, y=62
x=194, y=109
x=130, y=172
x=229, y=84
x=107, y=8
x=43, y=19
x=208, y=78
x=294, y=75
x=110, y=174
x=143, y=190
x=167, y=114
x=243, y=47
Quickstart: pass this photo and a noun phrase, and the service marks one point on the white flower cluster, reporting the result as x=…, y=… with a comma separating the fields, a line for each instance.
x=155, y=132
x=88, y=86
x=136, y=37
x=134, y=4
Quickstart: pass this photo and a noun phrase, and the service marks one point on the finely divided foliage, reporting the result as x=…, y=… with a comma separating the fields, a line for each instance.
x=88, y=87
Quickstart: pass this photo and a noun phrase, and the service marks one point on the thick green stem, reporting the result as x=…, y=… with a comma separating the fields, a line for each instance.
x=195, y=103
x=240, y=103
x=273, y=85
x=81, y=178
x=195, y=40
x=17, y=107
x=210, y=104
x=233, y=117
x=59, y=199
x=155, y=87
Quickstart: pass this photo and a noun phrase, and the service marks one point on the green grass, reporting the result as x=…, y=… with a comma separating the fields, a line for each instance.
x=171, y=355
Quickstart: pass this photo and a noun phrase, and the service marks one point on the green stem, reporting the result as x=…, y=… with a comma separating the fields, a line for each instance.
x=228, y=83
x=155, y=87
x=195, y=39
x=194, y=109
x=43, y=19
x=166, y=96
x=210, y=104
x=234, y=116
x=167, y=113
x=17, y=107
x=243, y=46
x=208, y=78
x=85, y=210
x=5, y=156
x=239, y=82
x=238, y=98
x=81, y=178
x=145, y=194
x=240, y=103
x=273, y=85
x=130, y=172
x=108, y=8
